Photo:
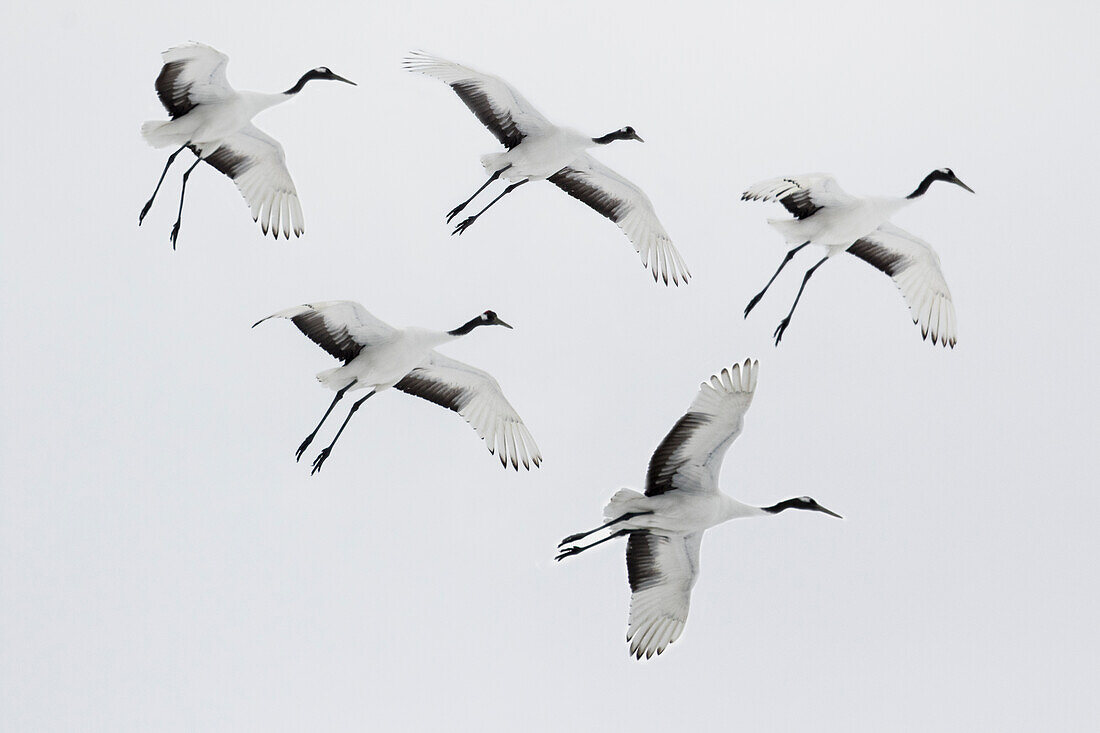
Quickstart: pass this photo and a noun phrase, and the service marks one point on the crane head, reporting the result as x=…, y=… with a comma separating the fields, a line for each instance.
x=801, y=502
x=490, y=318
x=623, y=133
x=946, y=174
x=323, y=72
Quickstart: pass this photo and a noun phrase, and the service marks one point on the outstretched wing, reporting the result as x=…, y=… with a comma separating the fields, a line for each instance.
x=256, y=163
x=662, y=570
x=192, y=74
x=476, y=396
x=340, y=327
x=590, y=181
x=690, y=456
x=915, y=269
x=801, y=195
x=496, y=103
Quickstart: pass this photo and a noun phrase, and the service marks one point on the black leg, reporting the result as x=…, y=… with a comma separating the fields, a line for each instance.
x=149, y=203
x=320, y=459
x=581, y=535
x=788, y=258
x=464, y=204
x=470, y=220
x=311, y=436
x=787, y=321
x=578, y=549
x=183, y=191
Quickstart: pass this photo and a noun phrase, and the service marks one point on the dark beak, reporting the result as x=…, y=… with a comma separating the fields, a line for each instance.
x=502, y=323
x=336, y=77
x=957, y=182
x=831, y=514
x=638, y=138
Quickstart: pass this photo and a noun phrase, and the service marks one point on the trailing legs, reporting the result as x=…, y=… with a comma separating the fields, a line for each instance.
x=149, y=203
x=758, y=296
x=787, y=321
x=183, y=192
x=311, y=436
x=320, y=459
x=464, y=204
x=470, y=220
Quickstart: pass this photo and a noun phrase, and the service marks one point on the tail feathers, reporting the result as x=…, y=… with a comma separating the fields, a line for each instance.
x=791, y=229
x=333, y=380
x=621, y=503
x=493, y=162
x=154, y=133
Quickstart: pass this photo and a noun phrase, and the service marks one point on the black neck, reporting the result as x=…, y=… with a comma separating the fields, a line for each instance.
x=786, y=504
x=609, y=137
x=933, y=176
x=468, y=326
x=306, y=77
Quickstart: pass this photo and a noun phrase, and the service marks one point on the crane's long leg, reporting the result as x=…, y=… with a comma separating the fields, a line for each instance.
x=758, y=296
x=787, y=321
x=311, y=436
x=464, y=204
x=183, y=192
x=470, y=220
x=149, y=203
x=320, y=459
x=581, y=535
x=578, y=549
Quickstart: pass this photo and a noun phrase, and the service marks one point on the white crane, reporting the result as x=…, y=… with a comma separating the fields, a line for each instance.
x=827, y=215
x=378, y=356
x=665, y=526
x=214, y=121
x=539, y=150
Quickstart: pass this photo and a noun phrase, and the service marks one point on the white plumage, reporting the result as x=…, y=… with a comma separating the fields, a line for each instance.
x=378, y=356
x=915, y=268
x=540, y=150
x=213, y=120
x=665, y=525
x=826, y=215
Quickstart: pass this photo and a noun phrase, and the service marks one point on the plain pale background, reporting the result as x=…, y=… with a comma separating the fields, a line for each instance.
x=165, y=565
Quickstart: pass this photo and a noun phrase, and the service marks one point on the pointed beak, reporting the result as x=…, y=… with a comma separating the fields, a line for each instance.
x=638, y=138
x=831, y=514
x=502, y=323
x=337, y=77
x=957, y=182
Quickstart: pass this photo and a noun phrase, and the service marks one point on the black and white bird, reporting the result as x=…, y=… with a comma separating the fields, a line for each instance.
x=378, y=356
x=826, y=215
x=213, y=120
x=665, y=525
x=539, y=150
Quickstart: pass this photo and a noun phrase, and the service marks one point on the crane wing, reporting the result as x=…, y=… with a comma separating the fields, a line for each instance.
x=494, y=101
x=915, y=269
x=341, y=327
x=801, y=195
x=588, y=180
x=690, y=456
x=476, y=396
x=662, y=570
x=192, y=74
x=256, y=163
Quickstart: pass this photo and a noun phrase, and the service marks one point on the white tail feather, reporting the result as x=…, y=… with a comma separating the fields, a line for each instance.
x=791, y=229
x=621, y=503
x=154, y=133
x=493, y=162
x=332, y=379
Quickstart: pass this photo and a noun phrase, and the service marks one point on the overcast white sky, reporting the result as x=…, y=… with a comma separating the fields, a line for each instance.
x=165, y=565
